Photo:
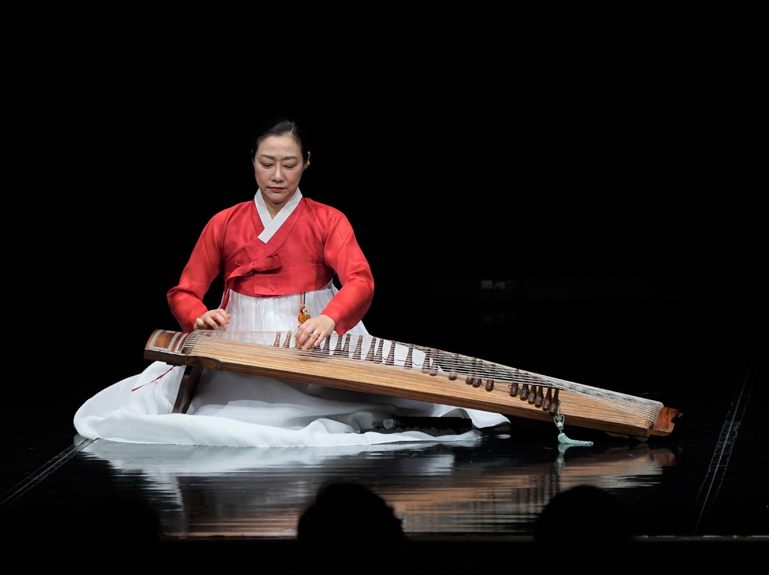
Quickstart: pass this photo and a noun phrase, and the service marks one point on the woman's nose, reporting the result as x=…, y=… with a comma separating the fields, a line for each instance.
x=277, y=175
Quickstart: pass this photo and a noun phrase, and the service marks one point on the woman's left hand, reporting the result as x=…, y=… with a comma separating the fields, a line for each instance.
x=314, y=331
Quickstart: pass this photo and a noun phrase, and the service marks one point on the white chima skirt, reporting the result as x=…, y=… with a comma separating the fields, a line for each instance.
x=230, y=409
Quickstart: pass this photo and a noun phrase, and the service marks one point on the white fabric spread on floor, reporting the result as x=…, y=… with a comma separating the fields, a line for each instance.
x=230, y=409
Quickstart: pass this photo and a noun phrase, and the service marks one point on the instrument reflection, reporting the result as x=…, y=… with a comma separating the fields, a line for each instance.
x=481, y=487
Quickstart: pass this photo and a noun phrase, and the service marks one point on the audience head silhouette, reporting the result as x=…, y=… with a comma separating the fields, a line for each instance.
x=345, y=514
x=581, y=518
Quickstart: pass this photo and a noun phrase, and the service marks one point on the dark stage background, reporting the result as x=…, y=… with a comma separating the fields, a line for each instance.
x=569, y=156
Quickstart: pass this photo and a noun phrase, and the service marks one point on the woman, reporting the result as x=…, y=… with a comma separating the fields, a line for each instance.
x=279, y=254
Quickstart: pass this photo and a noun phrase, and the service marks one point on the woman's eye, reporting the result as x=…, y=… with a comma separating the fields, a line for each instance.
x=266, y=165
x=290, y=167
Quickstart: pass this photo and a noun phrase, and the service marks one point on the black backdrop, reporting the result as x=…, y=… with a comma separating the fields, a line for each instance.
x=462, y=148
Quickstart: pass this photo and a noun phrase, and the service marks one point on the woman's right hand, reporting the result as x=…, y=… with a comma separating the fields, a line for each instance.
x=213, y=319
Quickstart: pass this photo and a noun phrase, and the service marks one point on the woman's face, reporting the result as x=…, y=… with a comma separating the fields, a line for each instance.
x=278, y=167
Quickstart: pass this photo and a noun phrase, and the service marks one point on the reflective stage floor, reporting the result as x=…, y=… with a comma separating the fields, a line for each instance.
x=702, y=489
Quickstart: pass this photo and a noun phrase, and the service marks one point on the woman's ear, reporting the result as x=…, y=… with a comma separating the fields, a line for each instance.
x=307, y=163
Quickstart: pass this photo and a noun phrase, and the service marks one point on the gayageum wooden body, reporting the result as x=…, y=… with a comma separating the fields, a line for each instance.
x=365, y=363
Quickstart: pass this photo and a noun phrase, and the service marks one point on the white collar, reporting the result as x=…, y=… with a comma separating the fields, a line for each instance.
x=272, y=225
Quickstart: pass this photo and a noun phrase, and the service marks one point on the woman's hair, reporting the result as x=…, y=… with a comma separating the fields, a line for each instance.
x=280, y=127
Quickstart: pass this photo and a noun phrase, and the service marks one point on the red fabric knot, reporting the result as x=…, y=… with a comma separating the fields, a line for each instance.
x=269, y=264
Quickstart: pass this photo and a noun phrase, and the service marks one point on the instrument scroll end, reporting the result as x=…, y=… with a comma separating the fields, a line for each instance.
x=666, y=421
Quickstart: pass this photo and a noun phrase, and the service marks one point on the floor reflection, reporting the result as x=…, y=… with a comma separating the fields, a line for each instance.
x=491, y=487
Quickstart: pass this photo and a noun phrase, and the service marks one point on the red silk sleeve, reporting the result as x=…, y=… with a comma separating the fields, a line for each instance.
x=186, y=299
x=343, y=254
